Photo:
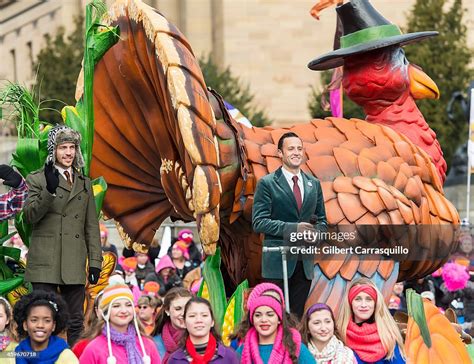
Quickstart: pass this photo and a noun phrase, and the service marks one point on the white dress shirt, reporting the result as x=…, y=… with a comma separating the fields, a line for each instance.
x=62, y=170
x=289, y=178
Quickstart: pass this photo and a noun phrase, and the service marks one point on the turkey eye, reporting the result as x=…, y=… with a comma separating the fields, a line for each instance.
x=402, y=54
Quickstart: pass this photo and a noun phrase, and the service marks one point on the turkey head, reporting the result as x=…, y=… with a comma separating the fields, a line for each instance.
x=386, y=85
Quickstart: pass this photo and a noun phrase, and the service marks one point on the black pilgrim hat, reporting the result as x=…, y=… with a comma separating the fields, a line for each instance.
x=364, y=29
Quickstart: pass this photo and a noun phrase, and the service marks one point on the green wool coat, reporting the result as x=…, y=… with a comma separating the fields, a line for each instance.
x=65, y=231
x=275, y=214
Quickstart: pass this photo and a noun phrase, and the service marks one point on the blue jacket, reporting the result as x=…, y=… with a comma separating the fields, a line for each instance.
x=397, y=359
x=225, y=355
x=265, y=352
x=160, y=345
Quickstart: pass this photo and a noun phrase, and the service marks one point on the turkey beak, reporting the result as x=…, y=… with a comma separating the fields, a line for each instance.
x=421, y=85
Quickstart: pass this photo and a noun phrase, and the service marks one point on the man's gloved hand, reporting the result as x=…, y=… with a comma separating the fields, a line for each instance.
x=94, y=274
x=52, y=177
x=10, y=176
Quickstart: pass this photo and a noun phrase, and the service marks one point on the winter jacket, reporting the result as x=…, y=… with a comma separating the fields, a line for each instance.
x=397, y=359
x=97, y=351
x=224, y=355
x=266, y=350
x=65, y=230
x=141, y=273
x=67, y=357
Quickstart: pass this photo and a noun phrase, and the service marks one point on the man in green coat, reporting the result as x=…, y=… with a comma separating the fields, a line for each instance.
x=285, y=201
x=65, y=230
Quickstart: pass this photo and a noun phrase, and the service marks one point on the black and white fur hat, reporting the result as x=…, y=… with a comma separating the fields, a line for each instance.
x=62, y=134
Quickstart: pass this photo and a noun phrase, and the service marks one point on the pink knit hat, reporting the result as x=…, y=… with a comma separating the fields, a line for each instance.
x=263, y=300
x=258, y=298
x=186, y=235
x=183, y=247
x=259, y=289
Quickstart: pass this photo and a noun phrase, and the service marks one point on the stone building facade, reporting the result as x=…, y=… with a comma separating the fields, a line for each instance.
x=267, y=43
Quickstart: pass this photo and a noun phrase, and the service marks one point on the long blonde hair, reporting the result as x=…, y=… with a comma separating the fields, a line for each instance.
x=387, y=328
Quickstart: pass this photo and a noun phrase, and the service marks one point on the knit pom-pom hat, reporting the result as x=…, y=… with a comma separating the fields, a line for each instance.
x=186, y=235
x=455, y=276
x=112, y=293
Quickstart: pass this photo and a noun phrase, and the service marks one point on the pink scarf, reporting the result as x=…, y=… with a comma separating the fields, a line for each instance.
x=250, y=353
x=365, y=341
x=171, y=337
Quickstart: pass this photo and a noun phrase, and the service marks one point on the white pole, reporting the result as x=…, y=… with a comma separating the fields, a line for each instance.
x=470, y=145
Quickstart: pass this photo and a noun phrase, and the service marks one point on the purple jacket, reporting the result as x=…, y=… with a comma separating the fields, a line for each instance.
x=225, y=355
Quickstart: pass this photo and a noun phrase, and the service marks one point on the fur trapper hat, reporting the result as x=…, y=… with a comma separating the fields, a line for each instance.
x=61, y=134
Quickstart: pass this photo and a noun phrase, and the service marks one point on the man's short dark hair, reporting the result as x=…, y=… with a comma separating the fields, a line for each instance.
x=290, y=134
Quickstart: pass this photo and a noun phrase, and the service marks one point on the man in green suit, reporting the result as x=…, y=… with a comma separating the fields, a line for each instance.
x=65, y=229
x=284, y=202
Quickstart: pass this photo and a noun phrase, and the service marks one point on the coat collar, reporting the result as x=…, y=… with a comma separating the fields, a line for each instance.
x=281, y=180
x=307, y=185
x=180, y=354
x=77, y=186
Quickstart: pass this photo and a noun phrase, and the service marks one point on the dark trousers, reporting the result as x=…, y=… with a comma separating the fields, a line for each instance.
x=298, y=289
x=74, y=295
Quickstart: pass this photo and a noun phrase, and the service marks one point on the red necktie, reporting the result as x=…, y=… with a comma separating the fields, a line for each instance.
x=297, y=192
x=68, y=178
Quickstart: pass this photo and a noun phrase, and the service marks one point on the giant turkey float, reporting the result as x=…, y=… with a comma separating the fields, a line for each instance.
x=168, y=148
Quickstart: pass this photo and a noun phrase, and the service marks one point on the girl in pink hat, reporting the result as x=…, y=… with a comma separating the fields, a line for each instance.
x=367, y=327
x=268, y=336
x=119, y=337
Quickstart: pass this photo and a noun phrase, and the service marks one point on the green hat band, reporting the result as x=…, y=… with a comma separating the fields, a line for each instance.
x=370, y=34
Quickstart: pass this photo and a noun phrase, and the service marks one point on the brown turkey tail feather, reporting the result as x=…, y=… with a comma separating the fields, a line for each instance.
x=155, y=140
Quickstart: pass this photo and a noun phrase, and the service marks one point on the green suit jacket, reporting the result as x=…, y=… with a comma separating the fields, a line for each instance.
x=275, y=214
x=65, y=231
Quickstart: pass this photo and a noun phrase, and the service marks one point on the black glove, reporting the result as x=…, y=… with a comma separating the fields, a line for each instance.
x=52, y=177
x=10, y=177
x=94, y=274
